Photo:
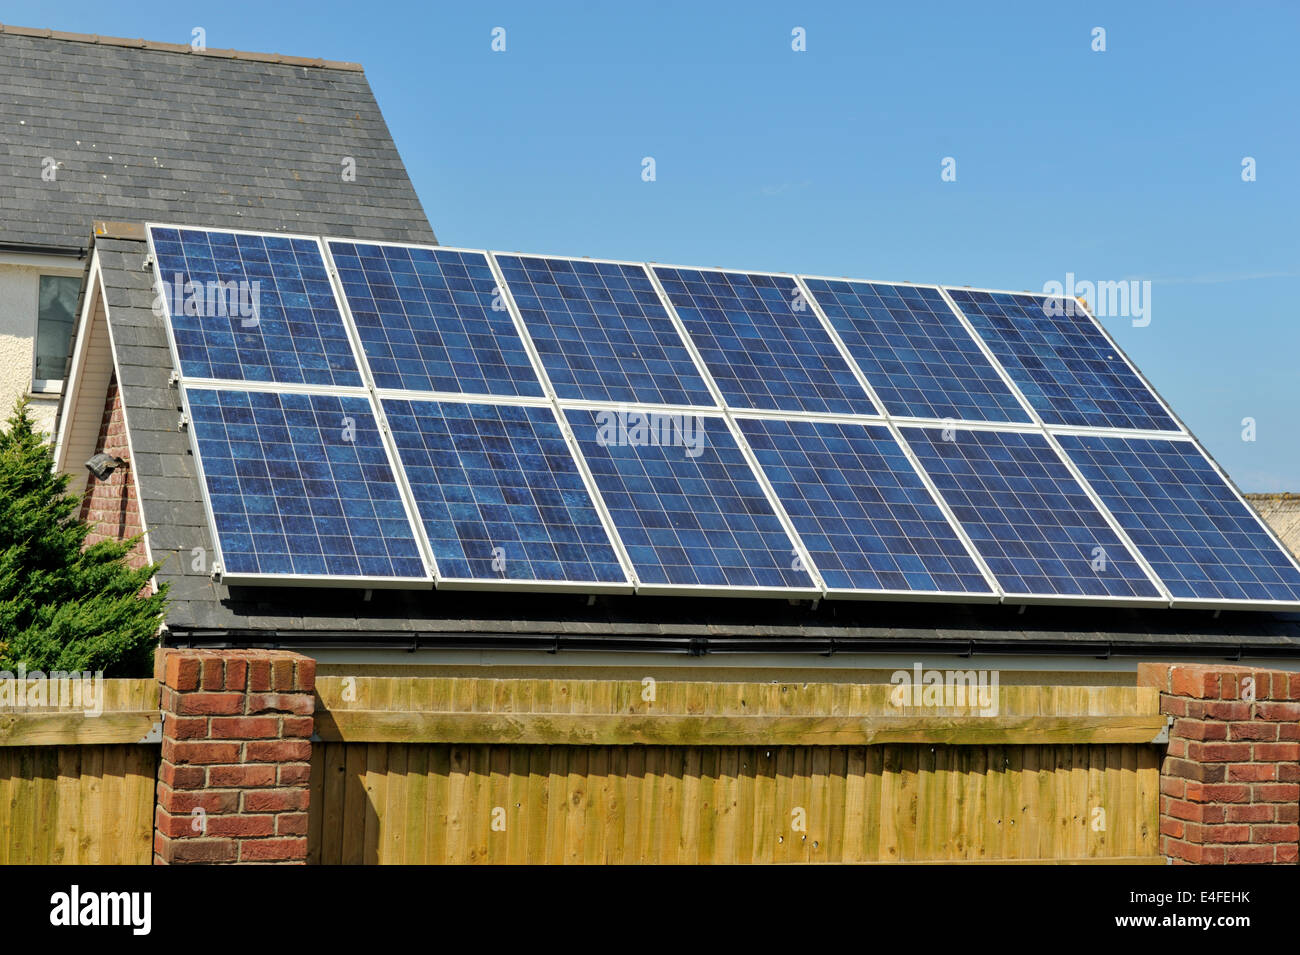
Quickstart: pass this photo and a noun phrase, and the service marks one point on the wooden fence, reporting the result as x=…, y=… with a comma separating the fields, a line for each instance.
x=429, y=769
x=76, y=788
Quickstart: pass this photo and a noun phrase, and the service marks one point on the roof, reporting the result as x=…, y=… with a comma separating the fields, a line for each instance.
x=155, y=131
x=202, y=611
x=1282, y=513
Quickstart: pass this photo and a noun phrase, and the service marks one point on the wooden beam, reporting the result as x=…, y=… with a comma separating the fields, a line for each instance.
x=544, y=729
x=75, y=728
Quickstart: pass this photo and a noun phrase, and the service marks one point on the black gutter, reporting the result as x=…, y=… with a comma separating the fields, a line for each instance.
x=700, y=645
x=27, y=248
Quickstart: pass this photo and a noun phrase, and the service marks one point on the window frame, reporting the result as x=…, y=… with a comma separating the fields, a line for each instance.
x=51, y=387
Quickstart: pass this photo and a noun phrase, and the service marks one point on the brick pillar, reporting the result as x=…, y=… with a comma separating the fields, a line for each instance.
x=237, y=728
x=1230, y=781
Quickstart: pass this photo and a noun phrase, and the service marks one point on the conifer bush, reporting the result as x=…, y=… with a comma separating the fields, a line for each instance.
x=64, y=606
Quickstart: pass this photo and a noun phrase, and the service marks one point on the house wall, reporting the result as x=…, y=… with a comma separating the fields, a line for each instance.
x=112, y=506
x=19, y=289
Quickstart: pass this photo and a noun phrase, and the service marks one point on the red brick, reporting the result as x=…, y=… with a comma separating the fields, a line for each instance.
x=298, y=703
x=259, y=675
x=1226, y=833
x=1288, y=731
x=1285, y=813
x=241, y=826
x=1154, y=674
x=1198, y=772
x=245, y=727
x=211, y=801
x=200, y=753
x=305, y=675
x=276, y=800
x=214, y=674
x=187, y=727
x=1261, y=813
x=1174, y=786
x=1278, y=752
x=282, y=675
x=1251, y=731
x=1286, y=855
x=278, y=751
x=1195, y=682
x=182, y=777
x=242, y=777
x=294, y=774
x=1219, y=752
x=1279, y=712
x=236, y=674
x=1169, y=826
x=213, y=704
x=297, y=726
x=201, y=850
x=1248, y=855
x=1252, y=773
x=182, y=672
x=179, y=825
x=1221, y=711
x=273, y=850
x=1200, y=730
x=290, y=823
x=1205, y=792
x=1288, y=773
x=1277, y=792
x=1279, y=833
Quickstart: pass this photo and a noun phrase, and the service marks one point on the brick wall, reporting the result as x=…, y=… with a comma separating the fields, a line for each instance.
x=237, y=728
x=1230, y=782
x=112, y=506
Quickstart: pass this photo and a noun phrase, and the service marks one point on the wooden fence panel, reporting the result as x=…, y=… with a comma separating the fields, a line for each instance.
x=405, y=774
x=76, y=788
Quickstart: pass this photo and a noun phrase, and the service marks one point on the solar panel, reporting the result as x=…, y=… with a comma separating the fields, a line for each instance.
x=602, y=332
x=915, y=353
x=1201, y=539
x=1062, y=362
x=301, y=485
x=247, y=307
x=500, y=495
x=861, y=509
x=433, y=319
x=686, y=504
x=1031, y=521
x=762, y=342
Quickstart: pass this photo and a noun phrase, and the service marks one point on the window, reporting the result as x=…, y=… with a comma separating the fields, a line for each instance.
x=54, y=320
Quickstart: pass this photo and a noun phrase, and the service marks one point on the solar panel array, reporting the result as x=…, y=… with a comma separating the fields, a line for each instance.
x=399, y=415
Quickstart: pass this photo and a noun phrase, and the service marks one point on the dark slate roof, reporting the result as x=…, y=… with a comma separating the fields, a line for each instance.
x=204, y=612
x=147, y=132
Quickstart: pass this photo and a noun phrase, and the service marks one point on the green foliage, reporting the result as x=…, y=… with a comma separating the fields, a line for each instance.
x=63, y=607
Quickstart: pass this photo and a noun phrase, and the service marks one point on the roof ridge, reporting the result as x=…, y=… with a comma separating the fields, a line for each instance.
x=142, y=44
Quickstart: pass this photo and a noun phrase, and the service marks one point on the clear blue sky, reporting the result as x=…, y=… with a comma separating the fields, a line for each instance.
x=1117, y=165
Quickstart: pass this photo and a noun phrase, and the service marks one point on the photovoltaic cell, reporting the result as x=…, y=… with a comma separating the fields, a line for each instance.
x=300, y=484
x=602, y=332
x=252, y=308
x=763, y=344
x=1028, y=517
x=915, y=352
x=861, y=509
x=1062, y=362
x=499, y=493
x=433, y=320
x=1198, y=536
x=689, y=511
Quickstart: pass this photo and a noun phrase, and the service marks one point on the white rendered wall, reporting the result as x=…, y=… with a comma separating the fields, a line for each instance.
x=20, y=278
